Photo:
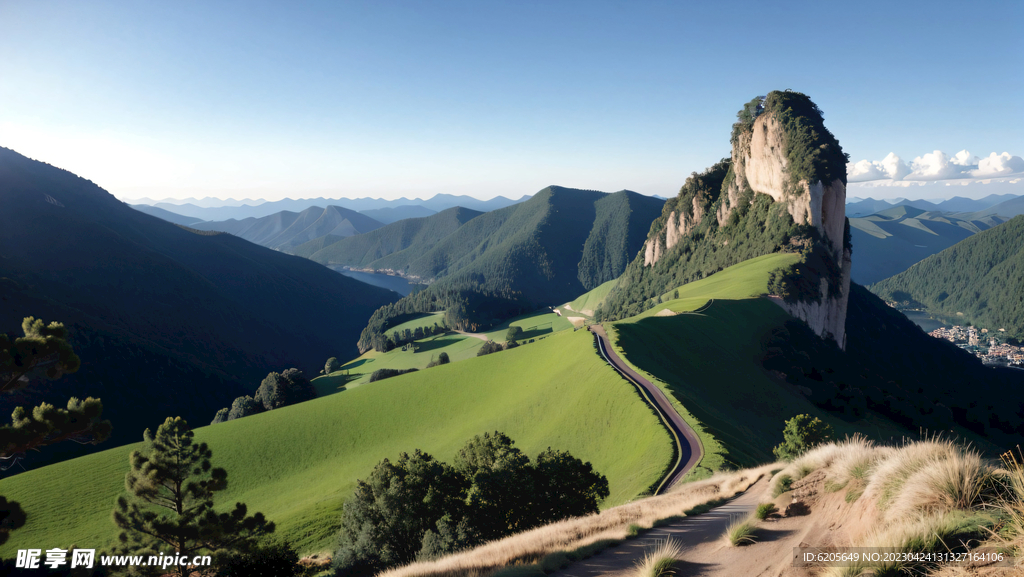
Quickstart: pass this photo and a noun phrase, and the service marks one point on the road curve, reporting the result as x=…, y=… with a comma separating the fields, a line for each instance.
x=688, y=445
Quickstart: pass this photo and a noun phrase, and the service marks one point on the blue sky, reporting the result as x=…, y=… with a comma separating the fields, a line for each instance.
x=250, y=99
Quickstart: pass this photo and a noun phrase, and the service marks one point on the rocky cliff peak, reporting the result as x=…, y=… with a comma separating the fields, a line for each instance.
x=785, y=161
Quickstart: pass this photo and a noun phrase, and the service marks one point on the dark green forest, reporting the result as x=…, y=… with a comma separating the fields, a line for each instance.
x=981, y=277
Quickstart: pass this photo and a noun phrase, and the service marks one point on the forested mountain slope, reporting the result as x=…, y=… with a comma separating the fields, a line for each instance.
x=544, y=251
x=167, y=321
x=980, y=278
x=411, y=238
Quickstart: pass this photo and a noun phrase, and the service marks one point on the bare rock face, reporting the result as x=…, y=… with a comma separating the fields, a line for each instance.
x=759, y=162
x=759, y=166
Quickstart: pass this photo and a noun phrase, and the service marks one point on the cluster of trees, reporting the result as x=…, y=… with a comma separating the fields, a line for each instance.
x=277, y=390
x=980, y=277
x=411, y=335
x=419, y=508
x=42, y=351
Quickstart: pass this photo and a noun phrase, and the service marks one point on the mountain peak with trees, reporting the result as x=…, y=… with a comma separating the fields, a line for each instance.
x=783, y=188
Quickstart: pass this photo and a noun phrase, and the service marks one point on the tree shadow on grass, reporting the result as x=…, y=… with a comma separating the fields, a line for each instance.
x=438, y=343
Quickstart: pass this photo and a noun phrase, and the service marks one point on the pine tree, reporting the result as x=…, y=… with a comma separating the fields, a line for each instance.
x=169, y=506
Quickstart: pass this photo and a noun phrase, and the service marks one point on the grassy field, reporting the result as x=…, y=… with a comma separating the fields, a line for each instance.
x=710, y=362
x=588, y=302
x=459, y=348
x=298, y=464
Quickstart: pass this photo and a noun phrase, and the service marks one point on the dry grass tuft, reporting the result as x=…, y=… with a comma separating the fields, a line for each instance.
x=570, y=538
x=742, y=531
x=661, y=561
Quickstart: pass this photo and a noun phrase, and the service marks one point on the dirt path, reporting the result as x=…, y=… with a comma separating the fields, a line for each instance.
x=687, y=443
x=480, y=336
x=705, y=553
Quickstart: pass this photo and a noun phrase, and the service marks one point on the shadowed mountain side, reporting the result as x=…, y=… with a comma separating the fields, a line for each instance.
x=167, y=215
x=167, y=321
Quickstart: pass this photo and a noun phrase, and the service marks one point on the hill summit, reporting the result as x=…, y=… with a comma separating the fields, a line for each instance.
x=782, y=189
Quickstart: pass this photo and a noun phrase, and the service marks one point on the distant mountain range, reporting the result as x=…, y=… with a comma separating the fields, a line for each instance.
x=166, y=320
x=436, y=203
x=1001, y=204
x=890, y=241
x=285, y=230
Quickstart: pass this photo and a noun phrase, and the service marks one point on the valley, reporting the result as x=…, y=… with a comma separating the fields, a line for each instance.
x=505, y=388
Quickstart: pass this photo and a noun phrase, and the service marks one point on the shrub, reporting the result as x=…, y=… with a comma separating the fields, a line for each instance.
x=765, y=510
x=283, y=389
x=783, y=484
x=802, y=432
x=488, y=348
x=741, y=532
x=381, y=374
x=660, y=561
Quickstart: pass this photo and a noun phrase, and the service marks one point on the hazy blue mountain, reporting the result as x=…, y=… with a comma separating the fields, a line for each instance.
x=865, y=207
x=1008, y=209
x=166, y=214
x=436, y=203
x=392, y=214
x=284, y=230
x=890, y=241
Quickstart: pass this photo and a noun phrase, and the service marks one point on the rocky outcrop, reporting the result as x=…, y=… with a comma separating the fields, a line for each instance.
x=759, y=166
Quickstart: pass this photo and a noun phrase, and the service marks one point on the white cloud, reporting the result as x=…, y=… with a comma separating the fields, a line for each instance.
x=933, y=166
x=936, y=165
x=999, y=165
x=865, y=170
x=964, y=158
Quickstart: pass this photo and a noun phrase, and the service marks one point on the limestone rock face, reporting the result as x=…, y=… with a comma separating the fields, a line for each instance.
x=759, y=162
x=759, y=166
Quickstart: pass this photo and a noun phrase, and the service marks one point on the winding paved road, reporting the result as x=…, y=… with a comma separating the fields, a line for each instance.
x=688, y=446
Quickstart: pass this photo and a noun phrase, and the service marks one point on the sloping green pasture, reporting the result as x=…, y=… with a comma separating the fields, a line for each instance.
x=298, y=464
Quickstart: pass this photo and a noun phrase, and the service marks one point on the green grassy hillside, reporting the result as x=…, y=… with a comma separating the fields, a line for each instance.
x=299, y=463
x=458, y=346
x=978, y=279
x=589, y=302
x=888, y=242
